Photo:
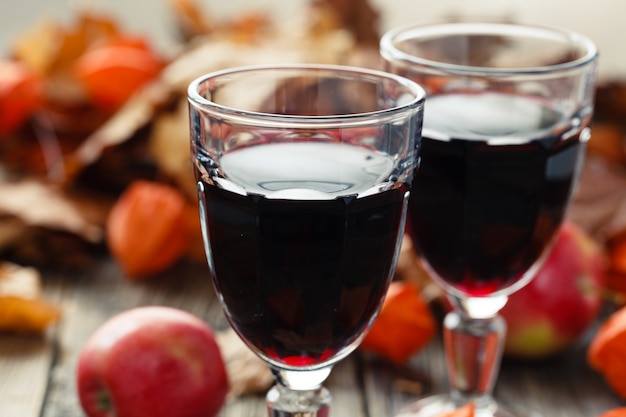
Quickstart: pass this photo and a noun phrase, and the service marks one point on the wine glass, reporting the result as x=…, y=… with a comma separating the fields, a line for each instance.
x=303, y=176
x=505, y=126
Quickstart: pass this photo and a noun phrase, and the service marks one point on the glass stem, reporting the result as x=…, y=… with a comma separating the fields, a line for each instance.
x=285, y=402
x=473, y=352
x=299, y=394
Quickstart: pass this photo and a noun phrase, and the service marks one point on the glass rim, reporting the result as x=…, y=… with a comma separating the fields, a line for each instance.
x=390, y=52
x=286, y=120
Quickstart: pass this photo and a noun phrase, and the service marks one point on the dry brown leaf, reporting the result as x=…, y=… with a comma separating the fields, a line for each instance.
x=191, y=20
x=607, y=141
x=89, y=29
x=20, y=282
x=42, y=224
x=408, y=267
x=37, y=47
x=169, y=143
x=37, y=203
x=247, y=373
x=134, y=115
x=11, y=230
x=287, y=45
x=356, y=16
x=599, y=205
x=281, y=43
x=169, y=130
x=22, y=307
x=50, y=47
x=26, y=316
x=610, y=105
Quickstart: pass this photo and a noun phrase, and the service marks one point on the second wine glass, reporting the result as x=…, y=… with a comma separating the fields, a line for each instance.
x=505, y=127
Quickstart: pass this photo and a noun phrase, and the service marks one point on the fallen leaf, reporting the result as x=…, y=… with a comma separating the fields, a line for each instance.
x=22, y=307
x=247, y=373
x=37, y=203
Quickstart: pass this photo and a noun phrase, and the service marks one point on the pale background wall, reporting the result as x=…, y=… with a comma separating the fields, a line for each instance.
x=602, y=20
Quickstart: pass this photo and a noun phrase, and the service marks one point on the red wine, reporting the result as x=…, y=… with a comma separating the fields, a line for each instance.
x=495, y=178
x=302, y=240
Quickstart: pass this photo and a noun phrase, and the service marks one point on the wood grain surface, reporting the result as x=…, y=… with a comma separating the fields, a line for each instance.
x=38, y=373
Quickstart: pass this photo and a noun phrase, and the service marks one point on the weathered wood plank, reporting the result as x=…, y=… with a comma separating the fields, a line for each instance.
x=346, y=389
x=25, y=362
x=388, y=387
x=563, y=386
x=347, y=399
x=560, y=386
x=362, y=385
x=89, y=300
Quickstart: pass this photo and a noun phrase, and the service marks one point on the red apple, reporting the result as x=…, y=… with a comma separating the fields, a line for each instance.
x=152, y=361
x=561, y=302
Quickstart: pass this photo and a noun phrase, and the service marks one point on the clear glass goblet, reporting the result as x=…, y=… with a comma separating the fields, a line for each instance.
x=505, y=126
x=303, y=176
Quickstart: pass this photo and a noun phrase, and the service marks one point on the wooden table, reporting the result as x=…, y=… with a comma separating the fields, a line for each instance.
x=37, y=374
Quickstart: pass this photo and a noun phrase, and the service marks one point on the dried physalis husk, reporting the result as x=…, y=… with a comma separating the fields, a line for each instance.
x=247, y=373
x=22, y=307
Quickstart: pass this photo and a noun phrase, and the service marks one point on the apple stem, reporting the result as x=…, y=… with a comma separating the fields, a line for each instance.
x=103, y=401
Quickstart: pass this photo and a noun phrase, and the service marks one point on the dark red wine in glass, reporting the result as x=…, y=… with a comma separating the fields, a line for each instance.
x=485, y=210
x=318, y=255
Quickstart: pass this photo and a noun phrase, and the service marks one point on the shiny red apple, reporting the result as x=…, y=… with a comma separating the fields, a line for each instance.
x=152, y=361
x=561, y=302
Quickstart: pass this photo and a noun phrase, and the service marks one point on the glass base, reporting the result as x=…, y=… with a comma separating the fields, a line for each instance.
x=433, y=406
x=284, y=402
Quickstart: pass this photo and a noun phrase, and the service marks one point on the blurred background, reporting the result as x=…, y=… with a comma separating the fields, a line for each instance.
x=601, y=20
